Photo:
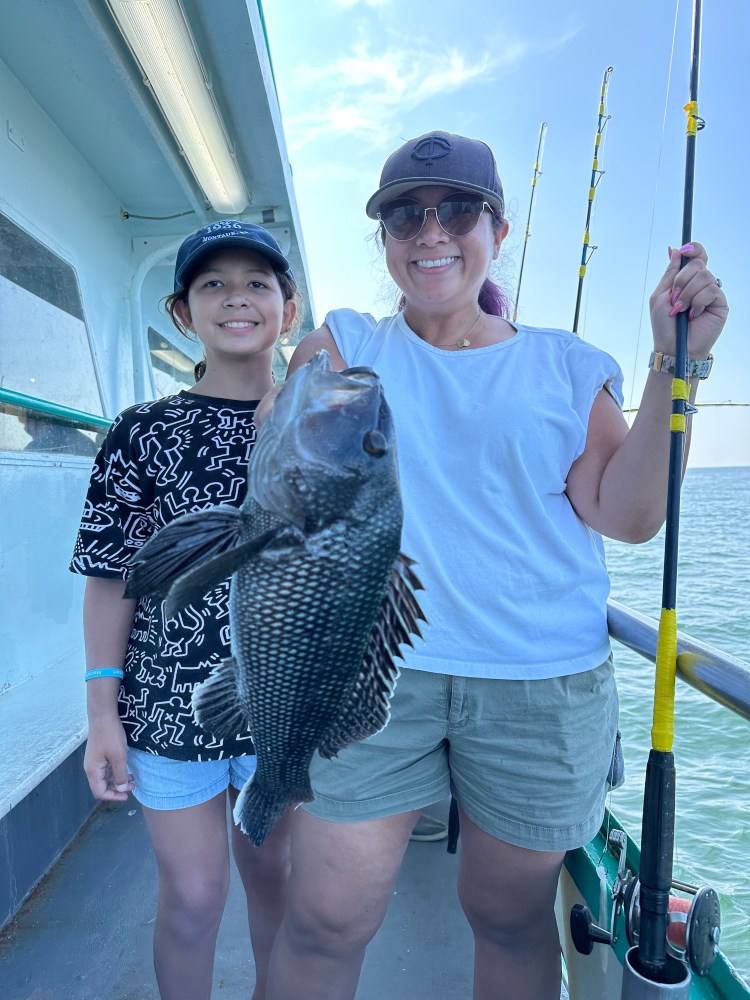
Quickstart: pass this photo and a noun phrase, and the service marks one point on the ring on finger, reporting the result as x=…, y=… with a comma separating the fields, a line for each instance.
x=718, y=282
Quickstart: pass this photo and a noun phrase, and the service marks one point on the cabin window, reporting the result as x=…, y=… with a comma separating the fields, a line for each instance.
x=46, y=366
x=173, y=369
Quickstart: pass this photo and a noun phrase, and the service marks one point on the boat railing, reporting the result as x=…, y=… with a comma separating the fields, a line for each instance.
x=723, y=678
x=29, y=423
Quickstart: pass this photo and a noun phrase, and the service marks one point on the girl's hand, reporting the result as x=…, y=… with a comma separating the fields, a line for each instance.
x=693, y=290
x=105, y=761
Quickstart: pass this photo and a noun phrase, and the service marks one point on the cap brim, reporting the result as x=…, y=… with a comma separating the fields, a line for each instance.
x=397, y=188
x=182, y=277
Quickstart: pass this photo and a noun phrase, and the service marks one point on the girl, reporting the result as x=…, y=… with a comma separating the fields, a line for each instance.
x=235, y=291
x=513, y=454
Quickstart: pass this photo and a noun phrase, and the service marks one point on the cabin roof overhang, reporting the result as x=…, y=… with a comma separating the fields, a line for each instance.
x=76, y=64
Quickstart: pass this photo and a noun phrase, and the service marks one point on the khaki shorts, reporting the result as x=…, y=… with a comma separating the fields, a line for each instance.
x=526, y=760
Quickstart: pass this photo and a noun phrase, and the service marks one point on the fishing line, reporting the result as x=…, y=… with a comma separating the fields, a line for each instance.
x=631, y=407
x=654, y=201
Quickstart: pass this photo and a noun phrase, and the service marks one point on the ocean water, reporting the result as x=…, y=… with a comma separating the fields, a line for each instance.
x=712, y=743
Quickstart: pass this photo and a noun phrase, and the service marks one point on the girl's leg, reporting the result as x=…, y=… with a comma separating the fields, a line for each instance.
x=341, y=882
x=508, y=896
x=264, y=872
x=192, y=855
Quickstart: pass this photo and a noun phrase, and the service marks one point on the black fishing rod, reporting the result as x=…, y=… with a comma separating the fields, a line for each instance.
x=596, y=176
x=656, y=968
x=650, y=960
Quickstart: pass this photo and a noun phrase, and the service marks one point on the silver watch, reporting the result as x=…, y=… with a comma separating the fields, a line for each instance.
x=695, y=369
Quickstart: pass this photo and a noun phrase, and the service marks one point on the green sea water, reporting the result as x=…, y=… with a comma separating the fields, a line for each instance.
x=712, y=743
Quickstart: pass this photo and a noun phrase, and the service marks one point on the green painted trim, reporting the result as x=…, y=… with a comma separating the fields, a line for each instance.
x=722, y=982
x=62, y=414
x=268, y=47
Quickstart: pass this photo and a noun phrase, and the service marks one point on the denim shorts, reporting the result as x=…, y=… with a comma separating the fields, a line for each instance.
x=527, y=760
x=163, y=783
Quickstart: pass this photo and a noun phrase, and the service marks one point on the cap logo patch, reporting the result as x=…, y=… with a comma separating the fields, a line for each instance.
x=434, y=147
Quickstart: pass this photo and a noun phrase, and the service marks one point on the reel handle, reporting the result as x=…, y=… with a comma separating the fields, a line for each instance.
x=584, y=932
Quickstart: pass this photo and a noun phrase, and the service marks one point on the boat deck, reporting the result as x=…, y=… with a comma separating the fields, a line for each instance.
x=86, y=931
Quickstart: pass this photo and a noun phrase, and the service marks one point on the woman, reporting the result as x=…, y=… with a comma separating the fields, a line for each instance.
x=515, y=457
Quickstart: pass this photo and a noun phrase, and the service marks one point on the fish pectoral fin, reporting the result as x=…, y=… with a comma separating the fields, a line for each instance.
x=194, y=584
x=216, y=702
x=179, y=545
x=367, y=708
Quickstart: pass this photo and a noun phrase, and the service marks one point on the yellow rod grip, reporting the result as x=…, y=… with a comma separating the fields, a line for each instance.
x=662, y=731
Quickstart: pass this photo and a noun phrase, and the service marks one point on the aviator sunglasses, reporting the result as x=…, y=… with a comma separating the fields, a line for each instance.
x=457, y=215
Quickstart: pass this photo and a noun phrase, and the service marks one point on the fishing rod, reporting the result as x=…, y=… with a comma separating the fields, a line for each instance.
x=650, y=969
x=655, y=968
x=537, y=175
x=596, y=176
x=657, y=834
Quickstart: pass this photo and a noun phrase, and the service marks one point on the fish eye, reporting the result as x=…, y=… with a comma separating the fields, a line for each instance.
x=374, y=443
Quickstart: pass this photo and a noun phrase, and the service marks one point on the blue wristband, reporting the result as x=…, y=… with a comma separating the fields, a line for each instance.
x=104, y=672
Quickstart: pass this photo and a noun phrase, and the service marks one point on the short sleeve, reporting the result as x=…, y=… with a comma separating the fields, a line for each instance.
x=351, y=332
x=117, y=518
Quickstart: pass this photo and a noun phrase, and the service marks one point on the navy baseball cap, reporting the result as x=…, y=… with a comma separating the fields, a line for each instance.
x=227, y=233
x=440, y=158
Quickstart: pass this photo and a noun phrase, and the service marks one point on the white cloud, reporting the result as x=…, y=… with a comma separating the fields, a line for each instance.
x=367, y=3
x=361, y=92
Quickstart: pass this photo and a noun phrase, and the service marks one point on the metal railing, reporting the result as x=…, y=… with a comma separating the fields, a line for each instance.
x=54, y=411
x=724, y=678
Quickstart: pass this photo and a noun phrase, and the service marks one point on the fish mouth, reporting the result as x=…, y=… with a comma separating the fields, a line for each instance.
x=322, y=442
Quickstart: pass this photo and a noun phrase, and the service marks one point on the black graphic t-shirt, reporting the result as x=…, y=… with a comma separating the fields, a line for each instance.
x=159, y=460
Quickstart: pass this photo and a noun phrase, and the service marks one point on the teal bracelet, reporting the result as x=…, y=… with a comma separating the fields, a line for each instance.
x=104, y=672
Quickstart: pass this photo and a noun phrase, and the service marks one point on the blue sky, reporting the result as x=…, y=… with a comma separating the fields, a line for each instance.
x=357, y=77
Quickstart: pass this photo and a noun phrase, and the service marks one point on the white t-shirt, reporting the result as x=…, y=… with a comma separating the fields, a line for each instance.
x=515, y=583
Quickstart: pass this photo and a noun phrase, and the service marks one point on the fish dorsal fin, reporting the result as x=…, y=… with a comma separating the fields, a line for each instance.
x=216, y=703
x=367, y=708
x=179, y=545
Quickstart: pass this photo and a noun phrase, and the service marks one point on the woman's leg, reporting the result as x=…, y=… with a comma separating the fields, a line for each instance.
x=341, y=882
x=192, y=855
x=264, y=872
x=508, y=896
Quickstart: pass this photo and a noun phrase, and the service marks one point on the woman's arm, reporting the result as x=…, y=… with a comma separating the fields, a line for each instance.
x=619, y=484
x=107, y=621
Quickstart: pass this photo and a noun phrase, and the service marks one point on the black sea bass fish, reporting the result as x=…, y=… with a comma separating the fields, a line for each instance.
x=321, y=597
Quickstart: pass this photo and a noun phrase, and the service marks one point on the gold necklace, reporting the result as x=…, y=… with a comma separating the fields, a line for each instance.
x=464, y=341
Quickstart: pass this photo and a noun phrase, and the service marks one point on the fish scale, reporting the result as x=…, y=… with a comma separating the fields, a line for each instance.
x=321, y=598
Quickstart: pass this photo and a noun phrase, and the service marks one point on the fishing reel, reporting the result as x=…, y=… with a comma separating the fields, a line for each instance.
x=693, y=927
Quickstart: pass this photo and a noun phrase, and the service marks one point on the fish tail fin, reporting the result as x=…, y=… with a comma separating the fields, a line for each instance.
x=179, y=546
x=259, y=808
x=216, y=702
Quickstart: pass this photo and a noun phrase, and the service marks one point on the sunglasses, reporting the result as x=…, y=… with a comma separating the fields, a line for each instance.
x=457, y=215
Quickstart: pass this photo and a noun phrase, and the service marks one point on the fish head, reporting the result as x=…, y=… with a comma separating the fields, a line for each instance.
x=327, y=449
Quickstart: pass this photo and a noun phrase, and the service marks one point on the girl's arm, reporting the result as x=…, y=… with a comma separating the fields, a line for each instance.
x=107, y=621
x=619, y=484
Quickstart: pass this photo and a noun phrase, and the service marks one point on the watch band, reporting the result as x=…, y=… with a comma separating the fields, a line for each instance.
x=659, y=362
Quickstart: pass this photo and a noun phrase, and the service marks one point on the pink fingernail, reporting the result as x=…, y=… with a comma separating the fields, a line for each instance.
x=688, y=248
x=674, y=297
x=691, y=314
x=676, y=308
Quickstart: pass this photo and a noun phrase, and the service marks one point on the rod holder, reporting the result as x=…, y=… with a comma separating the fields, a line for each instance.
x=675, y=984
